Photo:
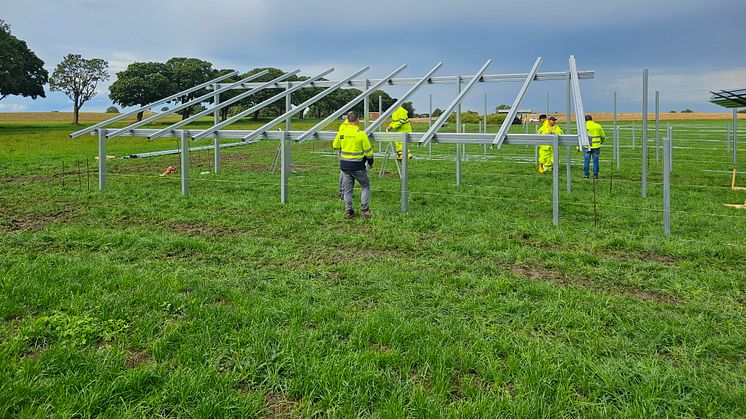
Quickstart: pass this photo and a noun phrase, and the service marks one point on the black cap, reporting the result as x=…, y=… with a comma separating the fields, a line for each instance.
x=551, y=118
x=543, y=116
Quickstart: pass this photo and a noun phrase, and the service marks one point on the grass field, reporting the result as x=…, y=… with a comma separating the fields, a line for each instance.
x=140, y=302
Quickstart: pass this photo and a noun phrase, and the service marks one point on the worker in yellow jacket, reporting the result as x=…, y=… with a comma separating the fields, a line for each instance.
x=400, y=123
x=597, y=137
x=356, y=152
x=546, y=152
x=342, y=127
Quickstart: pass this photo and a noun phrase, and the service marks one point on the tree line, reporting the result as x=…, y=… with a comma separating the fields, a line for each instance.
x=22, y=73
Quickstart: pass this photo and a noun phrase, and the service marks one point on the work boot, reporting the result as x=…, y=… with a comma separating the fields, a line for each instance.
x=595, y=176
x=398, y=156
x=410, y=156
x=366, y=213
x=586, y=176
x=350, y=214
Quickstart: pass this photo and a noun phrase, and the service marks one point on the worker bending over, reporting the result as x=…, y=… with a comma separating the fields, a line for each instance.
x=355, y=153
x=400, y=123
x=341, y=129
x=597, y=137
x=546, y=152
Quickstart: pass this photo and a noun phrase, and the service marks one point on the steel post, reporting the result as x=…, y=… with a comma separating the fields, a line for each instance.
x=404, y=174
x=216, y=138
x=101, y=159
x=285, y=150
x=644, y=189
x=727, y=138
x=484, y=118
x=616, y=136
x=184, y=162
x=430, y=113
x=734, y=144
x=567, y=128
x=366, y=105
x=458, y=129
x=555, y=181
x=667, y=184
x=657, y=124
x=380, y=126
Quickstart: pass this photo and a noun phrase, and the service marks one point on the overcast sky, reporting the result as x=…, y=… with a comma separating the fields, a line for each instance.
x=690, y=46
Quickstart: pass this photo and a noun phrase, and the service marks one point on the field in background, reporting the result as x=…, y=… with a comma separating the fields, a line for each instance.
x=138, y=301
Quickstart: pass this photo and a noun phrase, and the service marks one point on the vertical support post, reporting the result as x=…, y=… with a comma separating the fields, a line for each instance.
x=547, y=104
x=216, y=138
x=484, y=120
x=285, y=151
x=657, y=124
x=670, y=148
x=633, y=134
x=380, y=126
x=101, y=159
x=458, y=129
x=735, y=136
x=184, y=162
x=366, y=104
x=567, y=129
x=617, y=149
x=404, y=174
x=430, y=113
x=727, y=138
x=645, y=133
x=667, y=184
x=555, y=182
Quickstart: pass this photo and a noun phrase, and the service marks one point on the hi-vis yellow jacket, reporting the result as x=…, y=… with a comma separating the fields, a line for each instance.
x=548, y=129
x=355, y=148
x=596, y=132
x=400, y=121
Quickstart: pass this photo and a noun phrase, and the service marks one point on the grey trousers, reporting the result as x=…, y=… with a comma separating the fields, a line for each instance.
x=349, y=183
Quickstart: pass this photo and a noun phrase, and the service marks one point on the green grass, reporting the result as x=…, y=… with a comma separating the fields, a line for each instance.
x=140, y=302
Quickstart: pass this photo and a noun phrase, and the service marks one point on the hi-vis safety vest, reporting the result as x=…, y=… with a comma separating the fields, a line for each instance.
x=548, y=129
x=400, y=121
x=355, y=148
x=596, y=133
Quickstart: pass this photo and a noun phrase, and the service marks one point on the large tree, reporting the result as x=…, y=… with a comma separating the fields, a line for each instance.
x=21, y=71
x=186, y=73
x=77, y=78
x=141, y=84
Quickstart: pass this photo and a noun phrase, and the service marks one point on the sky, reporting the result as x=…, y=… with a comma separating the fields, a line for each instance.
x=689, y=46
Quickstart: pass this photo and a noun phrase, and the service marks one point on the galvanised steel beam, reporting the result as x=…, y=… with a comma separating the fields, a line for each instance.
x=259, y=131
x=578, y=101
x=383, y=116
x=412, y=137
x=261, y=105
x=150, y=105
x=350, y=104
x=516, y=103
x=185, y=105
x=449, y=110
x=487, y=78
x=231, y=101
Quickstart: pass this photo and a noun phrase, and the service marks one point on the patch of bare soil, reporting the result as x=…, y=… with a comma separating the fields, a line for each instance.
x=16, y=221
x=280, y=406
x=135, y=358
x=539, y=273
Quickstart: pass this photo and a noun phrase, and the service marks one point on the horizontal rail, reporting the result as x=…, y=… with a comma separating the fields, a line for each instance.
x=411, y=137
x=406, y=81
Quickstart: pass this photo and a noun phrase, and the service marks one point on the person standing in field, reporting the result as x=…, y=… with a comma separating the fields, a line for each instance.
x=400, y=123
x=542, y=122
x=597, y=136
x=341, y=189
x=356, y=151
x=546, y=152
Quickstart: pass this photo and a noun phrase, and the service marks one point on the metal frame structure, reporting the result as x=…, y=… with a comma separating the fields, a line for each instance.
x=732, y=99
x=432, y=135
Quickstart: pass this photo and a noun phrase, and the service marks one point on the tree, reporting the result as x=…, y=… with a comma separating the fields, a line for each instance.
x=112, y=109
x=437, y=112
x=77, y=78
x=186, y=73
x=687, y=110
x=276, y=107
x=502, y=107
x=409, y=107
x=141, y=84
x=164, y=109
x=21, y=71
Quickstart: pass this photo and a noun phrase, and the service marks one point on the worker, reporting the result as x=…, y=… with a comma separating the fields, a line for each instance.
x=400, y=123
x=342, y=127
x=542, y=122
x=546, y=152
x=596, y=136
x=356, y=151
